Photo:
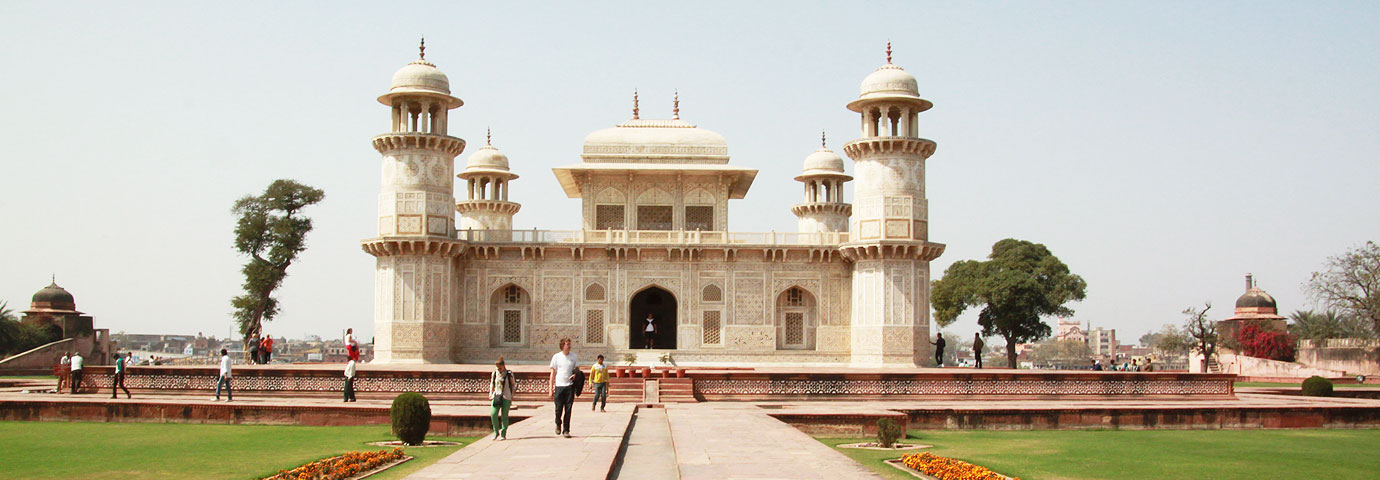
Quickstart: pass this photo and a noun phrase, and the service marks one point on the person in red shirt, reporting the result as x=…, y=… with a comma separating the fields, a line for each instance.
x=266, y=348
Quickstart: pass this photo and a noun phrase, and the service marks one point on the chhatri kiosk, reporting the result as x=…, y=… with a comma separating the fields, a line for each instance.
x=849, y=288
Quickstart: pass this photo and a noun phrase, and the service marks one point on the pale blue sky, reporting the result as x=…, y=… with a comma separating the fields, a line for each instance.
x=1161, y=149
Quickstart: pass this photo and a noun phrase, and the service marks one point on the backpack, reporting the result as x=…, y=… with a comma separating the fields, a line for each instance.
x=579, y=381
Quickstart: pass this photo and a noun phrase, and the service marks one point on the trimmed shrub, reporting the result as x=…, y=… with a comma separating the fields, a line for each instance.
x=1316, y=386
x=411, y=415
x=887, y=432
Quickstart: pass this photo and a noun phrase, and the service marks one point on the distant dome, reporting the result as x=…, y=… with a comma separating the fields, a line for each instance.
x=487, y=157
x=669, y=139
x=1255, y=298
x=55, y=297
x=823, y=161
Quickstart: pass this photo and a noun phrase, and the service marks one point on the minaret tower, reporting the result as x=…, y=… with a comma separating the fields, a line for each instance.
x=486, y=205
x=414, y=271
x=823, y=209
x=888, y=231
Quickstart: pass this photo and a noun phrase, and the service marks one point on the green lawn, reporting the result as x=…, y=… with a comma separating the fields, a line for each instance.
x=1159, y=454
x=175, y=451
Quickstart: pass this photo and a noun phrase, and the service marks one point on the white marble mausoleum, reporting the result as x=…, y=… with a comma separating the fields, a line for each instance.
x=850, y=287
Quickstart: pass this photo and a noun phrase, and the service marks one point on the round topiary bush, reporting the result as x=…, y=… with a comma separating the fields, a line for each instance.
x=1316, y=386
x=411, y=415
x=887, y=432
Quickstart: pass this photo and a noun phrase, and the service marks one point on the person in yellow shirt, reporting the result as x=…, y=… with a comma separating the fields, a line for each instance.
x=599, y=376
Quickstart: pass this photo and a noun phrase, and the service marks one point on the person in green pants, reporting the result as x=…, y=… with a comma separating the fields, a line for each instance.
x=501, y=387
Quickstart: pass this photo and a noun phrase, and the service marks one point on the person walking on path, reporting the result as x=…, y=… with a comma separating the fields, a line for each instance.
x=649, y=332
x=350, y=381
x=119, y=382
x=224, y=380
x=938, y=349
x=64, y=371
x=977, y=348
x=501, y=388
x=599, y=377
x=76, y=372
x=561, y=386
x=266, y=349
x=254, y=349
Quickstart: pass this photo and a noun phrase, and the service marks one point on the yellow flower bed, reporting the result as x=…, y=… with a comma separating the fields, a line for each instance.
x=340, y=467
x=948, y=468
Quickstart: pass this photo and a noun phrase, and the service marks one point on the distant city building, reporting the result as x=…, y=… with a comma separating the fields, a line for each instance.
x=1070, y=330
x=1102, y=342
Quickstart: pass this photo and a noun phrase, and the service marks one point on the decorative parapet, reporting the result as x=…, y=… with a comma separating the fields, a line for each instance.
x=927, y=251
x=390, y=142
x=842, y=209
x=889, y=145
x=493, y=206
x=654, y=237
x=389, y=246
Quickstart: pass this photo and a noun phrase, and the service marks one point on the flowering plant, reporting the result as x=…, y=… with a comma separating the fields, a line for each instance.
x=1266, y=343
x=340, y=467
x=948, y=468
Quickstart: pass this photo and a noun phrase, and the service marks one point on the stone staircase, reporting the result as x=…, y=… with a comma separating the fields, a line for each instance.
x=626, y=390
x=677, y=390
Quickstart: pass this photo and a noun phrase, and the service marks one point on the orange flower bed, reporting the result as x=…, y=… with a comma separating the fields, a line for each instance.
x=948, y=468
x=340, y=467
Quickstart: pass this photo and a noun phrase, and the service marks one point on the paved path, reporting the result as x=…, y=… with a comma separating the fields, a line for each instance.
x=739, y=441
x=533, y=451
x=649, y=453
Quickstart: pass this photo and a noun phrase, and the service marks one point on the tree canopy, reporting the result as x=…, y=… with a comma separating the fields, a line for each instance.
x=1019, y=283
x=271, y=231
x=1319, y=326
x=1350, y=284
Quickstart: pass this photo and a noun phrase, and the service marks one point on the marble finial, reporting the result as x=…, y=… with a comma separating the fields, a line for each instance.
x=675, y=109
x=421, y=49
x=488, y=136
x=822, y=142
x=888, y=52
x=635, y=117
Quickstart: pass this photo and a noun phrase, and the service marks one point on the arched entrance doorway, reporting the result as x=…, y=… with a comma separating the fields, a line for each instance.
x=662, y=307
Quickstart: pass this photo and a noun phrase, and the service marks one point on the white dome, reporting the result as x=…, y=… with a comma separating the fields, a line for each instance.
x=421, y=76
x=668, y=139
x=823, y=161
x=889, y=80
x=487, y=157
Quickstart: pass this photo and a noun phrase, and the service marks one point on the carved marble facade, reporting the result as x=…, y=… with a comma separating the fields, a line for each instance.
x=850, y=287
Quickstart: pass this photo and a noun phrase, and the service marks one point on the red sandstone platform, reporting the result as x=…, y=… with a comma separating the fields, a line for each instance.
x=695, y=383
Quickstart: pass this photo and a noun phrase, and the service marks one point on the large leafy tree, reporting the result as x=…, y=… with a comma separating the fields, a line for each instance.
x=1350, y=284
x=16, y=337
x=271, y=230
x=1019, y=283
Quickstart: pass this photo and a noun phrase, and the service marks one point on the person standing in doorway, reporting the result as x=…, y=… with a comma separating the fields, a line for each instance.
x=938, y=349
x=76, y=372
x=599, y=377
x=224, y=380
x=266, y=349
x=350, y=380
x=561, y=386
x=977, y=348
x=501, y=388
x=119, y=382
x=649, y=332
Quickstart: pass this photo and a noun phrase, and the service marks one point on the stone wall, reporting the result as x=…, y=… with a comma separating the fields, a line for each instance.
x=1351, y=355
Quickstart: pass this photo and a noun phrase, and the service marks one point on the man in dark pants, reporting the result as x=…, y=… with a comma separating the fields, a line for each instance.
x=938, y=349
x=562, y=386
x=76, y=371
x=977, y=348
x=350, y=380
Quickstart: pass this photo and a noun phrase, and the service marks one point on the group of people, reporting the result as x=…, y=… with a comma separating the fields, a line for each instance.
x=939, y=345
x=1134, y=365
x=69, y=372
x=565, y=383
x=261, y=350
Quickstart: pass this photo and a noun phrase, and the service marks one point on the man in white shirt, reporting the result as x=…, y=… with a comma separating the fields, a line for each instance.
x=76, y=372
x=350, y=380
x=224, y=380
x=561, y=387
